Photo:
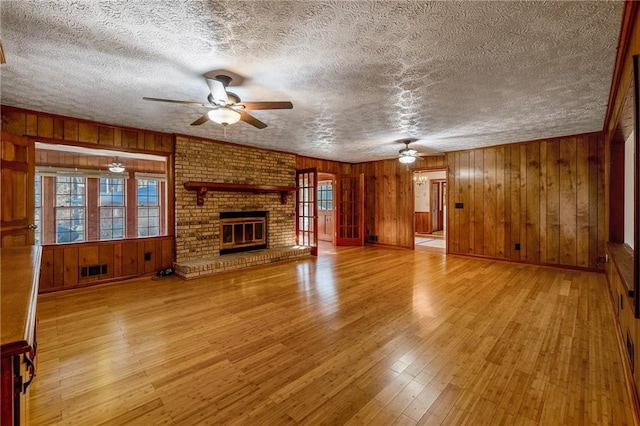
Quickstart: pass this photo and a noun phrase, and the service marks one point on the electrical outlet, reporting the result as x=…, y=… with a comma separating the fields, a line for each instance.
x=147, y=256
x=517, y=246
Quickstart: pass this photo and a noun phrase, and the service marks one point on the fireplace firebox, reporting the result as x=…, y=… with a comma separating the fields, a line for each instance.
x=243, y=231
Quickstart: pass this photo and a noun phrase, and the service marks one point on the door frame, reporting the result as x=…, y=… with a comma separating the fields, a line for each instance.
x=445, y=202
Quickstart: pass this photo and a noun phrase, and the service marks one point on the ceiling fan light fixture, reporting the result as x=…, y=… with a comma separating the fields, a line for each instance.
x=406, y=158
x=116, y=167
x=407, y=155
x=224, y=116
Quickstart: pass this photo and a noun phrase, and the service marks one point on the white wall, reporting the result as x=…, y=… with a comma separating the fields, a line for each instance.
x=629, y=156
x=421, y=192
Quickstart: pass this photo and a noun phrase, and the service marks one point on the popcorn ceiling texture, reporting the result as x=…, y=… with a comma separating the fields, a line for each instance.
x=198, y=227
x=361, y=74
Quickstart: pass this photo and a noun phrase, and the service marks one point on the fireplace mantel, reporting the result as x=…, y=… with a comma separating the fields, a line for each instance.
x=202, y=188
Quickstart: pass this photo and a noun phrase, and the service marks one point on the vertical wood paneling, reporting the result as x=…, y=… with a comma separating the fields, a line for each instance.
x=532, y=245
x=602, y=215
x=106, y=257
x=593, y=195
x=522, y=148
x=582, y=204
x=568, y=202
x=514, y=201
x=38, y=124
x=500, y=224
x=466, y=188
x=46, y=270
x=61, y=264
x=489, y=202
x=545, y=196
x=553, y=202
x=70, y=266
x=58, y=266
x=543, y=202
x=475, y=208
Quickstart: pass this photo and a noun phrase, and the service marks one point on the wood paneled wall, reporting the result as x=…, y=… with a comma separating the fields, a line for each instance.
x=389, y=198
x=46, y=126
x=92, y=162
x=124, y=259
x=326, y=166
x=545, y=196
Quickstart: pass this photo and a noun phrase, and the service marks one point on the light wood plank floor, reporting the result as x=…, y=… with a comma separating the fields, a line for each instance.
x=356, y=336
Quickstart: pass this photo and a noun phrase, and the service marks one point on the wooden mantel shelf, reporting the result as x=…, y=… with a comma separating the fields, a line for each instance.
x=203, y=187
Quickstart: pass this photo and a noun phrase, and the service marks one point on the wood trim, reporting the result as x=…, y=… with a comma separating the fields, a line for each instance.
x=616, y=191
x=636, y=186
x=203, y=187
x=90, y=145
x=629, y=13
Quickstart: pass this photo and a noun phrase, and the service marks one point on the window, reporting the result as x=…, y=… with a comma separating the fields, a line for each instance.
x=325, y=196
x=70, y=204
x=112, y=208
x=148, y=208
x=38, y=209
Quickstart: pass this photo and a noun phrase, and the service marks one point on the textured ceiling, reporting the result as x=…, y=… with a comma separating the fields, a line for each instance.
x=360, y=74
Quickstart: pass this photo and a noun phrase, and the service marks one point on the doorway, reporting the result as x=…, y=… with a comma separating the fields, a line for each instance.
x=326, y=207
x=430, y=210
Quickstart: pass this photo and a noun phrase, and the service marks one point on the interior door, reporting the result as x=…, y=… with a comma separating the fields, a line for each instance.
x=17, y=191
x=349, y=193
x=307, y=210
x=325, y=210
x=434, y=201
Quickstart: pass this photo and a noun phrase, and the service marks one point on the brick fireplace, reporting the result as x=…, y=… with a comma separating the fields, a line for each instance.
x=201, y=245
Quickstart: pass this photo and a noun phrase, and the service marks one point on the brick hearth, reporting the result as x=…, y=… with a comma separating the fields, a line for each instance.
x=231, y=262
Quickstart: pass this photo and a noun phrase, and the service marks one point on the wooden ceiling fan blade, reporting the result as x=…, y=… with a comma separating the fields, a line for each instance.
x=218, y=91
x=266, y=105
x=250, y=119
x=200, y=120
x=176, y=102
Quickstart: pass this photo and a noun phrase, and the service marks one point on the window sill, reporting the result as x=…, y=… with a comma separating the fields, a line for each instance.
x=622, y=258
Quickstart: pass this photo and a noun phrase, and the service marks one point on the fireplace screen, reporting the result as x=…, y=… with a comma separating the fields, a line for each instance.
x=240, y=234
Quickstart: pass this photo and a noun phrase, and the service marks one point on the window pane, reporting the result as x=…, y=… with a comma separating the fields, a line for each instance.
x=112, y=194
x=38, y=212
x=148, y=208
x=70, y=209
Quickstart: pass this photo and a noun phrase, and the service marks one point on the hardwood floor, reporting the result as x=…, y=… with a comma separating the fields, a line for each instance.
x=356, y=336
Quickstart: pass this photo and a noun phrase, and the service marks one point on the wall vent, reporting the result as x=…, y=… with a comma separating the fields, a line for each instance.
x=93, y=270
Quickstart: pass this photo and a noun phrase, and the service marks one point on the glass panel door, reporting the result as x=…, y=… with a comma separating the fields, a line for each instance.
x=350, y=210
x=306, y=210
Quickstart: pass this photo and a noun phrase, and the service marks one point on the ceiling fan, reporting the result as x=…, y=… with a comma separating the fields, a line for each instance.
x=407, y=155
x=226, y=107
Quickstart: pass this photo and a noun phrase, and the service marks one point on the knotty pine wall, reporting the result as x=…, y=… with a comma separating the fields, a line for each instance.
x=388, y=201
x=47, y=127
x=547, y=196
x=124, y=258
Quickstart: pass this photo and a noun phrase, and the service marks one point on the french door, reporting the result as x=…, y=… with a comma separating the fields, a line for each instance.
x=350, y=210
x=307, y=209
